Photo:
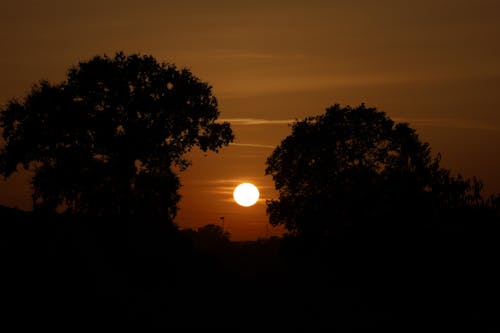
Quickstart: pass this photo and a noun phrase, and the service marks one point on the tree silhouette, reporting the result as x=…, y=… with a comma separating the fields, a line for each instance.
x=211, y=237
x=107, y=140
x=355, y=166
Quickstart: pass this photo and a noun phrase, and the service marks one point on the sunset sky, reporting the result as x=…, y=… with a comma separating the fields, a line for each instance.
x=432, y=63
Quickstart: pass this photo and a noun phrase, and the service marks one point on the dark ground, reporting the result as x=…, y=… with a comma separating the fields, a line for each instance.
x=74, y=273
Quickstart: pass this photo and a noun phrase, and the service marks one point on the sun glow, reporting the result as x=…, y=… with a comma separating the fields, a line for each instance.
x=246, y=194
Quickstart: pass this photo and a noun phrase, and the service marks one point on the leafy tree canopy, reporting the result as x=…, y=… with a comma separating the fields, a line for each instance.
x=107, y=139
x=355, y=166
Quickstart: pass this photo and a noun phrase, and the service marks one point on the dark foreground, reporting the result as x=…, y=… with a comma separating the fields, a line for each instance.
x=95, y=274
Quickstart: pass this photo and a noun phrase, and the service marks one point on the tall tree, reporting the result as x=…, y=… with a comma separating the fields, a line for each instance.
x=108, y=139
x=353, y=166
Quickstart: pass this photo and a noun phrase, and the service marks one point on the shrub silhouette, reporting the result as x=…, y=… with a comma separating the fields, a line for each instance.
x=106, y=141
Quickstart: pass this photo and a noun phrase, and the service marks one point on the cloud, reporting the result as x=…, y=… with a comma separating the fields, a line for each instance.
x=253, y=145
x=252, y=86
x=454, y=123
x=228, y=190
x=252, y=55
x=228, y=183
x=223, y=189
x=258, y=121
x=244, y=55
x=260, y=200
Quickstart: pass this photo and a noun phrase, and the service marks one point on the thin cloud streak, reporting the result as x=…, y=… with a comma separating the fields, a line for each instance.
x=260, y=200
x=238, y=54
x=257, y=86
x=257, y=121
x=253, y=145
x=448, y=123
x=424, y=122
x=230, y=188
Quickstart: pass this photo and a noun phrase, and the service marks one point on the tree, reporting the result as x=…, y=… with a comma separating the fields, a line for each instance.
x=106, y=141
x=211, y=237
x=355, y=166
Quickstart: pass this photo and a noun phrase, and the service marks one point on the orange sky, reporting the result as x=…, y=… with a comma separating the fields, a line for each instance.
x=435, y=64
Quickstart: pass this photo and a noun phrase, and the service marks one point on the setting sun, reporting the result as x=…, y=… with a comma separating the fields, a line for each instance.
x=246, y=194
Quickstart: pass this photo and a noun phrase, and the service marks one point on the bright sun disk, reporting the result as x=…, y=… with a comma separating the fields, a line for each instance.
x=246, y=194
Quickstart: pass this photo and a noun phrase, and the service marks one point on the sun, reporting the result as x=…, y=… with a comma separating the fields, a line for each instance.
x=246, y=194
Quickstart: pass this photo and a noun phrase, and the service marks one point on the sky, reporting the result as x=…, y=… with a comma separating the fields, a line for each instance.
x=432, y=63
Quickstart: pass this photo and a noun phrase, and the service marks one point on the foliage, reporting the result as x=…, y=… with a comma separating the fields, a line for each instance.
x=354, y=166
x=211, y=237
x=107, y=140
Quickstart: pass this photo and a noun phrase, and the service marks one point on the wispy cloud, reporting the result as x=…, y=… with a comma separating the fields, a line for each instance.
x=258, y=121
x=228, y=190
x=223, y=188
x=252, y=86
x=244, y=55
x=455, y=123
x=230, y=182
x=252, y=55
x=260, y=200
x=252, y=145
